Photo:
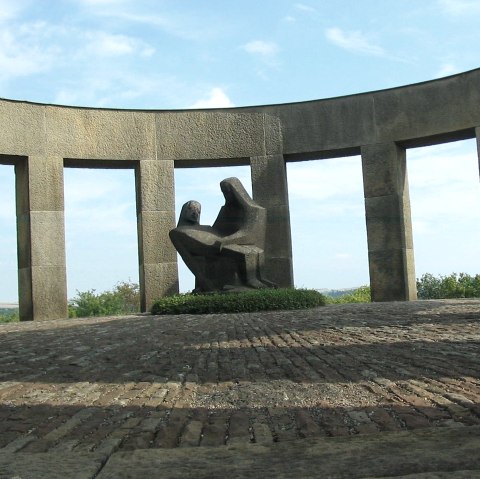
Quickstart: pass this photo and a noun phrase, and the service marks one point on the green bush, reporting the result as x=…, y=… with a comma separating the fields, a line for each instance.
x=447, y=287
x=123, y=299
x=129, y=294
x=9, y=316
x=248, y=301
x=360, y=295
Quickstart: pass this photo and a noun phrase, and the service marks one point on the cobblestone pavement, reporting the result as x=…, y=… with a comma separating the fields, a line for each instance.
x=104, y=385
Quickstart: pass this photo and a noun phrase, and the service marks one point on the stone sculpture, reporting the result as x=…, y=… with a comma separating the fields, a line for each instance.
x=229, y=255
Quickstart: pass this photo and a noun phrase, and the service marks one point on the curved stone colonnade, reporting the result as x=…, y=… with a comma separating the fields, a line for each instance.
x=40, y=140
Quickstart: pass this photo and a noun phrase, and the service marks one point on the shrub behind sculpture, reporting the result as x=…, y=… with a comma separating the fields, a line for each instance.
x=244, y=302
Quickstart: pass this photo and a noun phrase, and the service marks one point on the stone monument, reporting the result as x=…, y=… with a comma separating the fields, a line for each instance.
x=229, y=255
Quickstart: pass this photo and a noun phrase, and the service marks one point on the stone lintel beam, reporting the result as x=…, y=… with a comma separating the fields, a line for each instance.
x=41, y=238
x=155, y=218
x=389, y=226
x=270, y=190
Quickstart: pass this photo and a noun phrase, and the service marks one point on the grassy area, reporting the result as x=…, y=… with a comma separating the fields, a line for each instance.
x=249, y=301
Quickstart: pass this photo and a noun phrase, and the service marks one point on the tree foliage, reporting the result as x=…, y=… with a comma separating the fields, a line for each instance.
x=455, y=285
x=123, y=299
x=360, y=295
x=9, y=315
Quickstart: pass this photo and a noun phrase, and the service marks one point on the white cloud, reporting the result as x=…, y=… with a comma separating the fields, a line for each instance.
x=304, y=8
x=266, y=54
x=122, y=89
x=101, y=3
x=8, y=238
x=460, y=7
x=444, y=197
x=343, y=256
x=9, y=9
x=92, y=91
x=7, y=210
x=216, y=98
x=118, y=218
x=443, y=185
x=447, y=69
x=325, y=179
x=22, y=55
x=260, y=47
x=444, y=163
x=189, y=28
x=102, y=43
x=88, y=185
x=99, y=200
x=326, y=188
x=7, y=196
x=353, y=41
x=65, y=97
x=100, y=228
x=182, y=26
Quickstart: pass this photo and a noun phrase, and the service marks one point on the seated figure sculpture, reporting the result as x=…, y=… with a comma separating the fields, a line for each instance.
x=229, y=255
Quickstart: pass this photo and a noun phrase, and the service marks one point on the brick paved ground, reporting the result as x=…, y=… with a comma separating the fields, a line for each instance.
x=149, y=382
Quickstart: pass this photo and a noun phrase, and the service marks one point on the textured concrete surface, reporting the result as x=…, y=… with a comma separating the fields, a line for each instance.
x=98, y=134
x=41, y=238
x=370, y=388
x=389, y=223
x=269, y=174
x=155, y=193
x=217, y=133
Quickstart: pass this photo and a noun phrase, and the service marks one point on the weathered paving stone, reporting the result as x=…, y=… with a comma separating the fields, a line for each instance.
x=50, y=465
x=107, y=386
x=215, y=431
x=239, y=428
x=381, y=455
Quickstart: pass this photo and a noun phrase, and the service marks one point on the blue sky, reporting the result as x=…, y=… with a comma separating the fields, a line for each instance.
x=154, y=54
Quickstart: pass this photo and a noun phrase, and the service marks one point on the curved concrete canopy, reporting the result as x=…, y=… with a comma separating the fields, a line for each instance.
x=419, y=114
x=41, y=139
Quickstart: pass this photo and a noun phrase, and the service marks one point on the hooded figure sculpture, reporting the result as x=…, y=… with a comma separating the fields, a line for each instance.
x=230, y=254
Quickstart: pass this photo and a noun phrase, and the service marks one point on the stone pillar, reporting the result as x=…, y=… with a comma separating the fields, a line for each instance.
x=389, y=226
x=155, y=218
x=270, y=190
x=42, y=279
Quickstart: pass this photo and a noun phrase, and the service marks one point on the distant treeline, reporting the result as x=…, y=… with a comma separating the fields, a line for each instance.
x=336, y=293
x=455, y=285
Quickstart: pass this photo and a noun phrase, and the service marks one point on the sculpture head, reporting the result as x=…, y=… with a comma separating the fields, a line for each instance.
x=190, y=214
x=233, y=190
